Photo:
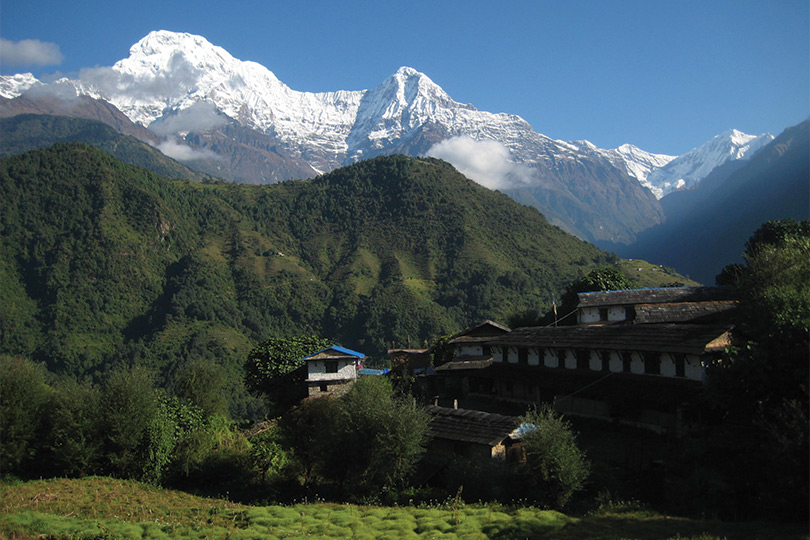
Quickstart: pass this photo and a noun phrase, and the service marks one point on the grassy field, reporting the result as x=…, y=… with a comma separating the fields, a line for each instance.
x=96, y=508
x=645, y=275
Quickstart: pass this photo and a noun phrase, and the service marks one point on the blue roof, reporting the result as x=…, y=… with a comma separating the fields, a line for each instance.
x=377, y=372
x=337, y=348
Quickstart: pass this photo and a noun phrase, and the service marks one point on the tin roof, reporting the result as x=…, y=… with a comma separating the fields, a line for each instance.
x=339, y=352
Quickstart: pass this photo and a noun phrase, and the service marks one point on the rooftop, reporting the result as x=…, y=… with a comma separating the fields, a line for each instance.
x=467, y=425
x=677, y=338
x=334, y=352
x=652, y=296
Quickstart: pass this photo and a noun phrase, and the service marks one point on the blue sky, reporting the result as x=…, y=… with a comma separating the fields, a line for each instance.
x=663, y=75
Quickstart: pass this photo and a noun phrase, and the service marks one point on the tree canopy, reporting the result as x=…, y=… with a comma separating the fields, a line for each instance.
x=557, y=467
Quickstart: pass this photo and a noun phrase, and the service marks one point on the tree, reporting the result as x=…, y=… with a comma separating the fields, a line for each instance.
x=601, y=279
x=202, y=383
x=384, y=434
x=128, y=406
x=557, y=467
x=23, y=395
x=756, y=416
x=364, y=443
x=74, y=436
x=274, y=368
x=598, y=279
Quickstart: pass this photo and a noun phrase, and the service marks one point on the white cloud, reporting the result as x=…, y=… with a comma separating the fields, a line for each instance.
x=178, y=79
x=486, y=162
x=200, y=116
x=29, y=52
x=182, y=152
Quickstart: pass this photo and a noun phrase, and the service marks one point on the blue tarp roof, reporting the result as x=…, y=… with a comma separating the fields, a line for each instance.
x=337, y=348
x=377, y=372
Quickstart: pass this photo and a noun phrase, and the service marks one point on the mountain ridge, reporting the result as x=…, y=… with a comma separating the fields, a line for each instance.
x=709, y=229
x=189, y=89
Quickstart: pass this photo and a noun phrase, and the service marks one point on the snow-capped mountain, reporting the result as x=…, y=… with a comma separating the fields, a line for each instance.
x=237, y=120
x=687, y=170
x=12, y=86
x=640, y=163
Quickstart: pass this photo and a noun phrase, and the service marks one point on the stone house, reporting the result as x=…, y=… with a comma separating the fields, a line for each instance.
x=332, y=371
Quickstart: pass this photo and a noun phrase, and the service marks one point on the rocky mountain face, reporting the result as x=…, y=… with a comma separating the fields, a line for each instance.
x=237, y=120
x=707, y=226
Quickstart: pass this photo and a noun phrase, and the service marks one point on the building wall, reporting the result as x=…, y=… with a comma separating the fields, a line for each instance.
x=473, y=349
x=634, y=362
x=591, y=315
x=337, y=388
x=694, y=368
x=316, y=370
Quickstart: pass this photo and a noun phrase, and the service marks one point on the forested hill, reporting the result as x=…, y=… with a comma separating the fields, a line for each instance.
x=25, y=132
x=103, y=262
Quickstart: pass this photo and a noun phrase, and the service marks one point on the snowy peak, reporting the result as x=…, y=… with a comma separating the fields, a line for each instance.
x=12, y=86
x=639, y=163
x=689, y=169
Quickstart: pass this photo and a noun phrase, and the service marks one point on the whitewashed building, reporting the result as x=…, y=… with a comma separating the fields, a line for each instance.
x=332, y=370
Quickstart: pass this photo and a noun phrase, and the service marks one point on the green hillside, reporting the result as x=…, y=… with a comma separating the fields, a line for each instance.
x=25, y=132
x=102, y=262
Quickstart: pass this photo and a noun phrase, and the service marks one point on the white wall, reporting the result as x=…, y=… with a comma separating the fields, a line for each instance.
x=316, y=370
x=693, y=368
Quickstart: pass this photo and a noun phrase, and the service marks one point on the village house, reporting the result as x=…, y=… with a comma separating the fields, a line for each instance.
x=332, y=371
x=660, y=305
x=621, y=362
x=472, y=434
x=409, y=361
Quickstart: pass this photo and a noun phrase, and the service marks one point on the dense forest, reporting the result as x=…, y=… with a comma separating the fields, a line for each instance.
x=104, y=263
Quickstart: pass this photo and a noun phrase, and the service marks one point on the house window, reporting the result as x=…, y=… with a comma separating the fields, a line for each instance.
x=505, y=354
x=324, y=388
x=523, y=356
x=582, y=359
x=605, y=356
x=486, y=350
x=603, y=314
x=627, y=359
x=652, y=364
x=332, y=367
x=560, y=357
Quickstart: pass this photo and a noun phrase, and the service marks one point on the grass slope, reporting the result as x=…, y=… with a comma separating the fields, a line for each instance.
x=99, y=507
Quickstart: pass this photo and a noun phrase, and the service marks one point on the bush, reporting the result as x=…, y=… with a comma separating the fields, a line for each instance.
x=557, y=467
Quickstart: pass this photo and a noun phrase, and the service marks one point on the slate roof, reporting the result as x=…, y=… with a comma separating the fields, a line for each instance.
x=340, y=353
x=466, y=362
x=676, y=338
x=471, y=426
x=480, y=333
x=682, y=312
x=652, y=296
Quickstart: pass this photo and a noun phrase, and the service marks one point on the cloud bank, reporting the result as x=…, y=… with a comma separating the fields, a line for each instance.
x=29, y=52
x=486, y=162
x=201, y=116
x=182, y=152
